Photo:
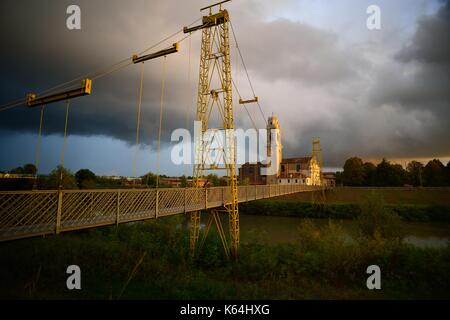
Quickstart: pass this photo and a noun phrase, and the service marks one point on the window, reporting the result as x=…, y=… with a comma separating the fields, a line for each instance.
x=296, y=181
x=289, y=181
x=298, y=168
x=282, y=168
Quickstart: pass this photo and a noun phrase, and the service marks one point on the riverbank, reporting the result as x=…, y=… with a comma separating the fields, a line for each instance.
x=393, y=196
x=289, y=208
x=411, y=204
x=321, y=265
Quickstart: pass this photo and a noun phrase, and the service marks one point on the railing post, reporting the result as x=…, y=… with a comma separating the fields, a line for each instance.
x=118, y=207
x=206, y=198
x=223, y=196
x=58, y=212
x=157, y=204
x=185, y=191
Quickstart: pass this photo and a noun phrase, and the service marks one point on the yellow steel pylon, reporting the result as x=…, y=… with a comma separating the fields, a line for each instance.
x=215, y=97
x=316, y=154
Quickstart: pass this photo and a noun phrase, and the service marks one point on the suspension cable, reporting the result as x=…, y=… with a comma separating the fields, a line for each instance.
x=96, y=74
x=245, y=107
x=246, y=72
x=188, y=105
x=138, y=120
x=38, y=149
x=160, y=120
x=63, y=150
x=12, y=104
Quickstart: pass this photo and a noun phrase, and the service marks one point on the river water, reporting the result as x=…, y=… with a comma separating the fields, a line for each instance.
x=285, y=230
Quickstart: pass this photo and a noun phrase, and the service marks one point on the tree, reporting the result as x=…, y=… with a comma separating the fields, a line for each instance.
x=213, y=180
x=223, y=181
x=390, y=175
x=434, y=174
x=370, y=173
x=183, y=181
x=29, y=169
x=86, y=179
x=448, y=173
x=339, y=181
x=245, y=181
x=149, y=179
x=415, y=173
x=18, y=170
x=68, y=179
x=353, y=174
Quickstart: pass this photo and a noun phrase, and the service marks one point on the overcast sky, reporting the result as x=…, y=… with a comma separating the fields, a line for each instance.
x=314, y=64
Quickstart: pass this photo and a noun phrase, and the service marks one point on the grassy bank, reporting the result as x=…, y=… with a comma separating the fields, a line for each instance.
x=322, y=265
x=393, y=196
x=344, y=203
x=288, y=208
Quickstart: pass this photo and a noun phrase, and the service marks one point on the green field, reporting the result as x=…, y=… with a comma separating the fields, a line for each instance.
x=402, y=196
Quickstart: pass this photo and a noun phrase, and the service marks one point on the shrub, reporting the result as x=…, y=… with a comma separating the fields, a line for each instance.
x=378, y=221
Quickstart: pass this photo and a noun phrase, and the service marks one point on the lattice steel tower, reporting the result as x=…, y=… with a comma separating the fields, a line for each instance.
x=316, y=153
x=215, y=112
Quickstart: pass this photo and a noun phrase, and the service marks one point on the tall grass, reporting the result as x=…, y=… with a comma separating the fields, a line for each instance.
x=323, y=264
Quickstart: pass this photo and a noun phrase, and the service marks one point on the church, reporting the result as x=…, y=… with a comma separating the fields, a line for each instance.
x=300, y=171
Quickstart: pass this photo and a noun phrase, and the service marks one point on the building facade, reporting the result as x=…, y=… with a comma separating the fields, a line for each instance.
x=301, y=170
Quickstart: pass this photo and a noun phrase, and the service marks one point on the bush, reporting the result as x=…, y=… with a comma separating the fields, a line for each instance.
x=378, y=221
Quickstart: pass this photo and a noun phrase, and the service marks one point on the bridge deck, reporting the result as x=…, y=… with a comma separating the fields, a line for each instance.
x=34, y=213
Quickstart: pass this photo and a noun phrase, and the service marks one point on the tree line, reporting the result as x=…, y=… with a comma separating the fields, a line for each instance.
x=86, y=179
x=358, y=173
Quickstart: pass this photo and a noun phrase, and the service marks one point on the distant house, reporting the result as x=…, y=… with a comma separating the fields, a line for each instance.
x=132, y=181
x=171, y=182
x=302, y=171
x=329, y=179
x=16, y=176
x=250, y=173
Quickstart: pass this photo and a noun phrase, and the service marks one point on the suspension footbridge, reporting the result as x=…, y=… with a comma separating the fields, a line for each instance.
x=38, y=212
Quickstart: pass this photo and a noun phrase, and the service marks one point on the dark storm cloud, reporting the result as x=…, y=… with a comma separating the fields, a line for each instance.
x=41, y=51
x=294, y=51
x=430, y=43
x=426, y=60
x=317, y=84
x=417, y=83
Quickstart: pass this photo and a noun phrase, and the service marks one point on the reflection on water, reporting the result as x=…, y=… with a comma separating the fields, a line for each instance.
x=284, y=229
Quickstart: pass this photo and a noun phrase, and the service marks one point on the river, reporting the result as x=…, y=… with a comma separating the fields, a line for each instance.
x=285, y=229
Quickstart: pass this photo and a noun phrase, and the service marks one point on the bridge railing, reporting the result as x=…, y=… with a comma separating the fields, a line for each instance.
x=32, y=213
